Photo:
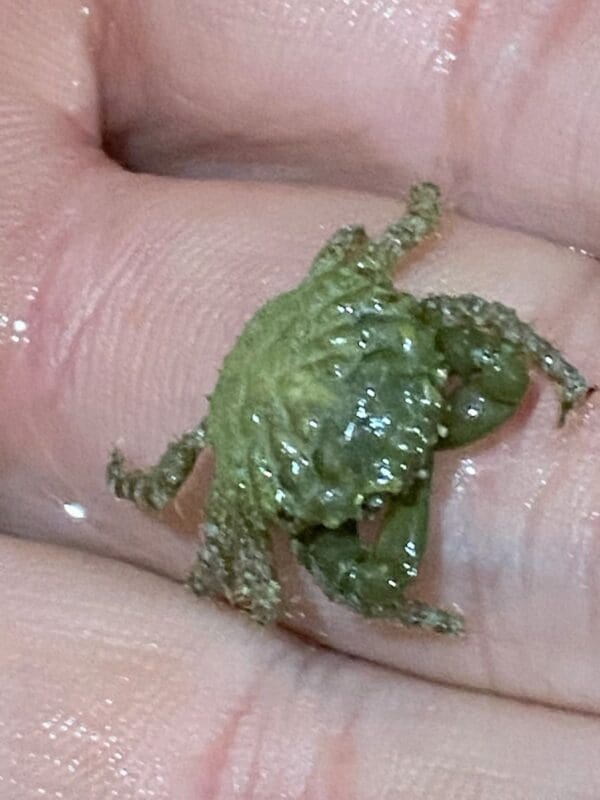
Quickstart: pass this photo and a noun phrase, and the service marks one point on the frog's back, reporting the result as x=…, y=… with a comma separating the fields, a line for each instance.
x=330, y=396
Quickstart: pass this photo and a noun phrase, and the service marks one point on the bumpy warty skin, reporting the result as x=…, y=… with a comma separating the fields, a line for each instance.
x=330, y=407
x=331, y=397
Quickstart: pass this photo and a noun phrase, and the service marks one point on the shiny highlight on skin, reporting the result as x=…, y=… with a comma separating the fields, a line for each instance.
x=329, y=408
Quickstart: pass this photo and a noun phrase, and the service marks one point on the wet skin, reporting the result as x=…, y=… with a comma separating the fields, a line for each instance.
x=329, y=408
x=117, y=681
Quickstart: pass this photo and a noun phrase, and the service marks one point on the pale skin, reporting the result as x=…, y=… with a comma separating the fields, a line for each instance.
x=185, y=688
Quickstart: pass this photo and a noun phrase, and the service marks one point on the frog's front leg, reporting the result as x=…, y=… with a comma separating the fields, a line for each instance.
x=371, y=579
x=351, y=245
x=468, y=310
x=421, y=218
x=235, y=563
x=156, y=486
x=341, y=248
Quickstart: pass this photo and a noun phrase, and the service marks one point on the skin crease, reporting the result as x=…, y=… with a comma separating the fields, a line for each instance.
x=141, y=285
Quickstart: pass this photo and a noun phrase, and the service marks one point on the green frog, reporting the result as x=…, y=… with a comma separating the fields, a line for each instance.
x=329, y=410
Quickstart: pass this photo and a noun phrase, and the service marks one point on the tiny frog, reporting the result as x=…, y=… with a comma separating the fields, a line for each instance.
x=329, y=410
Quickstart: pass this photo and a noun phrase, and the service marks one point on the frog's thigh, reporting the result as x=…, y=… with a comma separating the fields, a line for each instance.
x=488, y=393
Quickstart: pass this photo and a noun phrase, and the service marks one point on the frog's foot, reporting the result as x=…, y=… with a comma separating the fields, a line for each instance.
x=503, y=324
x=421, y=218
x=237, y=567
x=371, y=579
x=155, y=487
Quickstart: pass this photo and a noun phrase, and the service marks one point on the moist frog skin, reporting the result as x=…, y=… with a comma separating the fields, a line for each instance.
x=328, y=411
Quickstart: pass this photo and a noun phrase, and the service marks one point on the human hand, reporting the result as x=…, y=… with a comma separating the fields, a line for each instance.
x=122, y=292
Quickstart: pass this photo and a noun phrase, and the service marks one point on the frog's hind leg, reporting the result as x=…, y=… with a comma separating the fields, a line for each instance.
x=489, y=378
x=237, y=566
x=503, y=325
x=156, y=486
x=371, y=579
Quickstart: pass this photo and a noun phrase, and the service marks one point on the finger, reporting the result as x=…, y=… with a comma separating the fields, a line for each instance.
x=142, y=285
x=498, y=101
x=138, y=364
x=116, y=684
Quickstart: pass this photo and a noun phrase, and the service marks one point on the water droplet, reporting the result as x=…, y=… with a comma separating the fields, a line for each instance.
x=468, y=467
x=279, y=496
x=289, y=449
x=75, y=510
x=581, y=251
x=385, y=475
x=349, y=431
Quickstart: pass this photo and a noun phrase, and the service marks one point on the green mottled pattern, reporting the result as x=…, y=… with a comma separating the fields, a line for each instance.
x=337, y=385
x=330, y=408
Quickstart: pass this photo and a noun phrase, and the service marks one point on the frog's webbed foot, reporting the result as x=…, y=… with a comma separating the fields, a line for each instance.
x=156, y=486
x=371, y=579
x=237, y=567
x=503, y=324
